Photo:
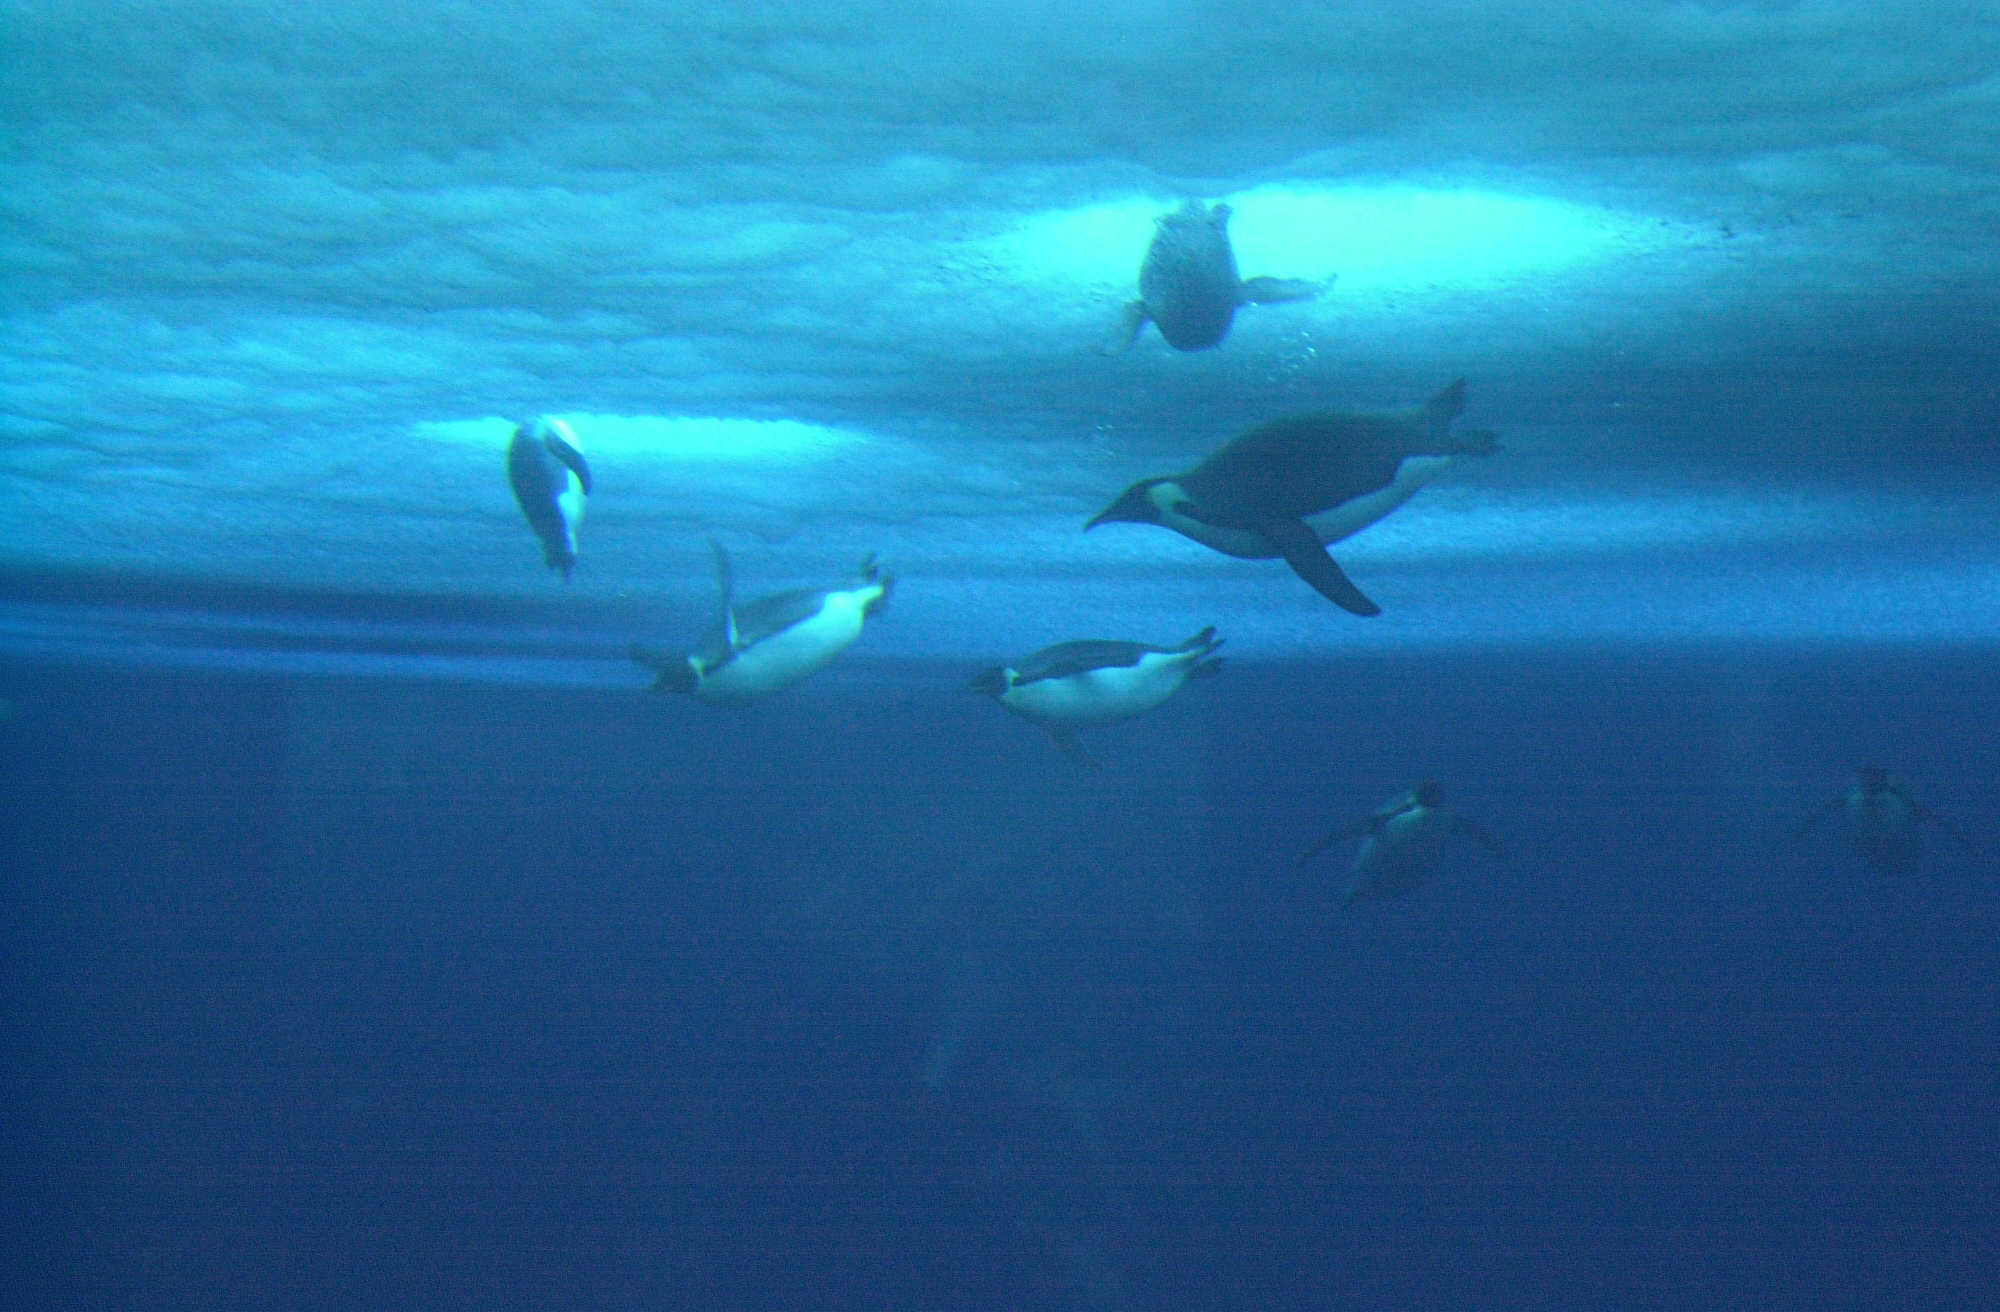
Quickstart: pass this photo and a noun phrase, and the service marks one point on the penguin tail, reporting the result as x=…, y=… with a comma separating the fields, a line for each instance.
x=676, y=675
x=1205, y=640
x=888, y=583
x=1475, y=442
x=1120, y=339
x=1446, y=406
x=1207, y=669
x=651, y=657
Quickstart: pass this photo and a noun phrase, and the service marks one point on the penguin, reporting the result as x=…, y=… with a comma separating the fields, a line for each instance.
x=546, y=469
x=1077, y=685
x=1188, y=284
x=771, y=643
x=1885, y=822
x=1401, y=844
x=1288, y=487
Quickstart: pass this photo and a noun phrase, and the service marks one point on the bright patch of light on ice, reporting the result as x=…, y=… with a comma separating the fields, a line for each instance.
x=665, y=440
x=1380, y=241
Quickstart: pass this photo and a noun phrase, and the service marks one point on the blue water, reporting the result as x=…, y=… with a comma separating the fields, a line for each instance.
x=336, y=993
x=374, y=940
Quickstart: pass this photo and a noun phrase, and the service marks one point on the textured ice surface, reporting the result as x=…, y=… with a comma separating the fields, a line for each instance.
x=821, y=280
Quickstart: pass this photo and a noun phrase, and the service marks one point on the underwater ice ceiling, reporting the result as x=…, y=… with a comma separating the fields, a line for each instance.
x=828, y=279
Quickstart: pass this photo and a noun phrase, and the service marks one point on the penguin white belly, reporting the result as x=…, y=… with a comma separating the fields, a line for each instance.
x=784, y=658
x=1399, y=858
x=1238, y=542
x=569, y=504
x=1350, y=517
x=1102, y=696
x=1885, y=830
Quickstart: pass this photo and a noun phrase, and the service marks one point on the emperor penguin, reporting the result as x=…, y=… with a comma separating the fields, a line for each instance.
x=546, y=469
x=1288, y=487
x=1188, y=284
x=771, y=643
x=1885, y=821
x=1401, y=844
x=1095, y=681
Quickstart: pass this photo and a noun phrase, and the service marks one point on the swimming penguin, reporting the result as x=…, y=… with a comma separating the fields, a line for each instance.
x=1402, y=844
x=1885, y=821
x=1288, y=487
x=1189, y=286
x=546, y=468
x=771, y=643
x=1078, y=685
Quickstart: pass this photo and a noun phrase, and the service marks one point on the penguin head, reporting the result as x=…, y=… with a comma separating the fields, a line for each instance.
x=1425, y=794
x=993, y=682
x=1136, y=505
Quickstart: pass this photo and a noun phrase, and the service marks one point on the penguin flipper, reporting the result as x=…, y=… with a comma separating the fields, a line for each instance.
x=1306, y=554
x=571, y=457
x=1964, y=844
x=1321, y=846
x=725, y=579
x=1366, y=825
x=1066, y=743
x=1271, y=291
x=1127, y=331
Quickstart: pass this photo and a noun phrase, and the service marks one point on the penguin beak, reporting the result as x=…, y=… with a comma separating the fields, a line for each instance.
x=992, y=682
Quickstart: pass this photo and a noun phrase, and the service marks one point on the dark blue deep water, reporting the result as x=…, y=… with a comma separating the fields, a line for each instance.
x=356, y=994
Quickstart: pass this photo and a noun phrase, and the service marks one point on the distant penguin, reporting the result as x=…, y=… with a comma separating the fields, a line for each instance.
x=1401, y=844
x=771, y=643
x=1078, y=685
x=1189, y=286
x=1885, y=822
x=1288, y=487
x=546, y=469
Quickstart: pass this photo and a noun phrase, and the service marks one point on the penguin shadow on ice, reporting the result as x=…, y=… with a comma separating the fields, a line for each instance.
x=1885, y=823
x=1095, y=681
x=1189, y=286
x=550, y=478
x=1288, y=488
x=769, y=644
x=1402, y=844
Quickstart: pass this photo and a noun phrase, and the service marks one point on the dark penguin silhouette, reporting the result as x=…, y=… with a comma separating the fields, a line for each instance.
x=1093, y=681
x=1885, y=822
x=1189, y=286
x=546, y=469
x=1252, y=499
x=1402, y=844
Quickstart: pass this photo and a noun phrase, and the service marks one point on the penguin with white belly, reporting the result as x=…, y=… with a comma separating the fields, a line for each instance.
x=769, y=644
x=1189, y=286
x=1289, y=487
x=1401, y=844
x=1083, y=684
x=1885, y=822
x=546, y=469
